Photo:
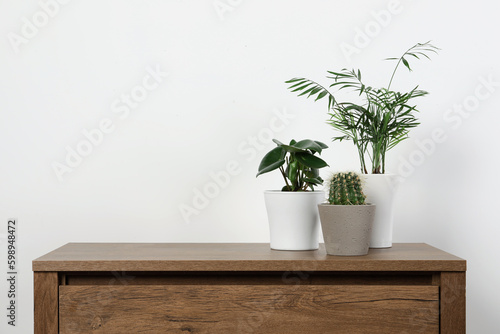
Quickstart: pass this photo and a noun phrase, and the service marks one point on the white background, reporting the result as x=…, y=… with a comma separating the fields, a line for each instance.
x=225, y=84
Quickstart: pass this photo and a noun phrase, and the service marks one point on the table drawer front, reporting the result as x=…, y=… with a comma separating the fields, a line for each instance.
x=248, y=309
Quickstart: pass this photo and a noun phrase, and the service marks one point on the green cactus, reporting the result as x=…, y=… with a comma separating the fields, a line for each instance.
x=346, y=189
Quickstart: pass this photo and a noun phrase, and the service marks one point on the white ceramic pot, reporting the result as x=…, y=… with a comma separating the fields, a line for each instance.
x=293, y=219
x=380, y=189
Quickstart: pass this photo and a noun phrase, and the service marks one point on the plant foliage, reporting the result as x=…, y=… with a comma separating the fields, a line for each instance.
x=297, y=163
x=381, y=121
x=346, y=189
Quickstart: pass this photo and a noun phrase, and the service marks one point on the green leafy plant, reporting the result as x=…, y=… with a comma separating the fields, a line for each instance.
x=346, y=189
x=297, y=163
x=381, y=121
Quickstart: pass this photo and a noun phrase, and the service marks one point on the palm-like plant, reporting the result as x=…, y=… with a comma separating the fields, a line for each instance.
x=382, y=121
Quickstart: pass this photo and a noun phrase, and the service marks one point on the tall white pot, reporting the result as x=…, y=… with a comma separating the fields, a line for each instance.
x=381, y=189
x=293, y=219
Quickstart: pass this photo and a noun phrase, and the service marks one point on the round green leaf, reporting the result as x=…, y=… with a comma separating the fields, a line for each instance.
x=309, y=145
x=309, y=160
x=292, y=171
x=272, y=160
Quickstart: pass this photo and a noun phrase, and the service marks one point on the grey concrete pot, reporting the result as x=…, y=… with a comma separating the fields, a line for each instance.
x=346, y=228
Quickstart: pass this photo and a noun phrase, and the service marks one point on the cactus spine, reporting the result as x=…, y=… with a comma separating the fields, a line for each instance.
x=346, y=189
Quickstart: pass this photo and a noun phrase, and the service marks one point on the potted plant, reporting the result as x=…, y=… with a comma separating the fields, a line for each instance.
x=346, y=220
x=292, y=211
x=377, y=124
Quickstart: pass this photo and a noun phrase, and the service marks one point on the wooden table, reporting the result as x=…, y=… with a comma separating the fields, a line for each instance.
x=246, y=288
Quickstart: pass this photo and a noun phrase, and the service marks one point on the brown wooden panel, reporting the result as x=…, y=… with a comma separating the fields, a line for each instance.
x=453, y=303
x=239, y=257
x=46, y=302
x=290, y=309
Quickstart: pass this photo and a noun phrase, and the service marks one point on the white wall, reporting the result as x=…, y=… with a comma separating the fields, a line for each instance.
x=225, y=85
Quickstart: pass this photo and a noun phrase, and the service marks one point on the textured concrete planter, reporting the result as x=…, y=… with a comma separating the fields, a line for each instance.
x=346, y=228
x=293, y=219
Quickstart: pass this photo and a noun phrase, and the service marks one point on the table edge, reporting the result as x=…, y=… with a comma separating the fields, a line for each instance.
x=40, y=265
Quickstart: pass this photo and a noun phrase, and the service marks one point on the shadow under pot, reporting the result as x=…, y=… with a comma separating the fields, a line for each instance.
x=346, y=228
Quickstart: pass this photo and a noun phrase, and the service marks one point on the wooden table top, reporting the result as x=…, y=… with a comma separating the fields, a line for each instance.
x=239, y=257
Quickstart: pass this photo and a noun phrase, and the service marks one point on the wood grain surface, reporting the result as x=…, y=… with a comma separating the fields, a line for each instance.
x=290, y=309
x=239, y=257
x=453, y=303
x=46, y=302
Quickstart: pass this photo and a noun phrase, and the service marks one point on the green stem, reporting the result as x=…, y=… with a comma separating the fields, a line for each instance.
x=284, y=176
x=377, y=156
x=361, y=153
x=383, y=163
x=397, y=65
x=363, y=157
